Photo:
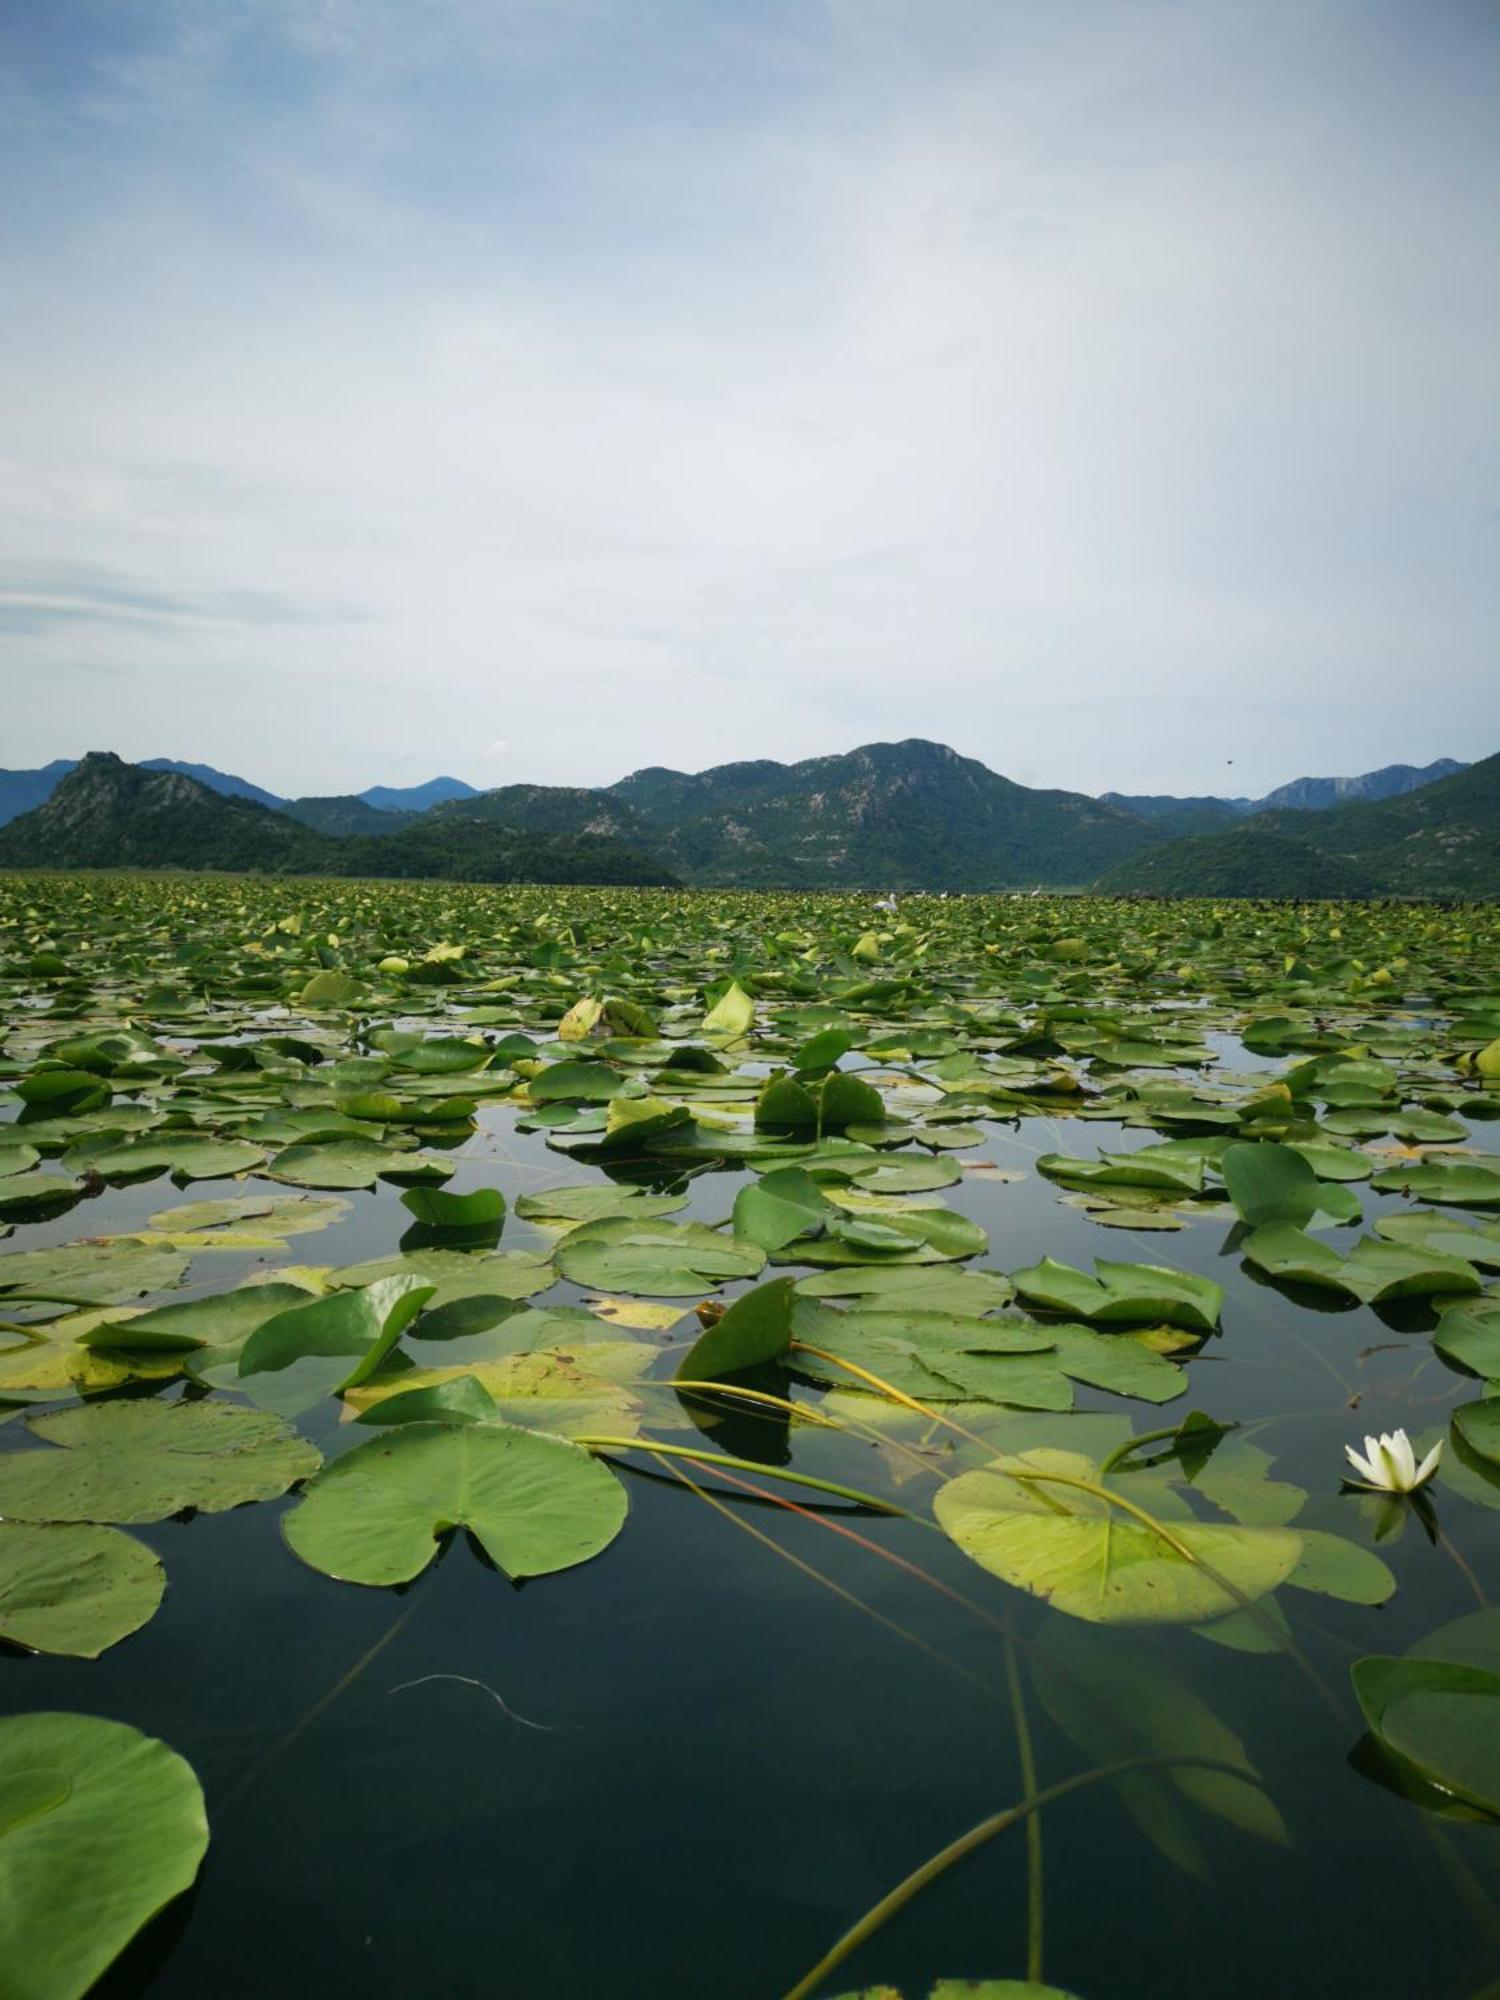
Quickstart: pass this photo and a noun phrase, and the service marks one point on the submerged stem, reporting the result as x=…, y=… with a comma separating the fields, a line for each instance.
x=905, y=1891
x=1035, y=1886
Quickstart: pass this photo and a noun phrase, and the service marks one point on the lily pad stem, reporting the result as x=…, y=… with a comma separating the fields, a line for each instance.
x=891, y=1905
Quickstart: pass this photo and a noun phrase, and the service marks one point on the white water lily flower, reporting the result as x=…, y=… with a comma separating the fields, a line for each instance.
x=1390, y=1464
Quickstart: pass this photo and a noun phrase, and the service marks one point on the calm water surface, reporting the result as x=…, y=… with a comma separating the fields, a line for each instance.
x=686, y=1767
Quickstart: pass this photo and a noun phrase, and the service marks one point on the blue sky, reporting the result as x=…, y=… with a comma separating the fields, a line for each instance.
x=529, y=389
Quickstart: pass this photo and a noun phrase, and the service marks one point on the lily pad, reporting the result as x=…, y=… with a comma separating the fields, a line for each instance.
x=144, y=1461
x=661, y=1259
x=73, y=1590
x=1438, y=1709
x=534, y=1503
x=1087, y=1558
x=1123, y=1294
x=78, y=1793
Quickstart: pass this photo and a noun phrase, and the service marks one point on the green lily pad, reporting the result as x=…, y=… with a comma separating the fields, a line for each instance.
x=533, y=1502
x=77, y=1795
x=662, y=1259
x=757, y=1328
x=1094, y=1562
x=319, y=1346
x=94, y=1273
x=1438, y=1709
x=1123, y=1294
x=144, y=1461
x=74, y=1590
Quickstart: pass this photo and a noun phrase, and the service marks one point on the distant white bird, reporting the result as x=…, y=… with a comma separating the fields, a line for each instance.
x=886, y=903
x=1390, y=1465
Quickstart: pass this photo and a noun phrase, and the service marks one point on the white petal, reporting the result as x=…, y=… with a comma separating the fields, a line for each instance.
x=1429, y=1464
x=1404, y=1456
x=1392, y=1476
x=1362, y=1466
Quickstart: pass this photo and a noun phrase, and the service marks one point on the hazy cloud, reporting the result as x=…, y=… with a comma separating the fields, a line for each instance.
x=1107, y=390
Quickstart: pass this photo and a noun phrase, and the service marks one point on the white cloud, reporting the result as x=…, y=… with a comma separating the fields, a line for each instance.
x=1104, y=391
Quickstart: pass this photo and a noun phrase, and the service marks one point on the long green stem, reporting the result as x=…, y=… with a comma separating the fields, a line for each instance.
x=818, y=1576
x=1035, y=1886
x=905, y=1891
x=750, y=1465
x=804, y=1412
x=310, y=1716
x=1133, y=1444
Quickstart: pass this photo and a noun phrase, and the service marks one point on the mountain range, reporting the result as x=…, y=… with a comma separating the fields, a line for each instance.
x=21, y=790
x=902, y=816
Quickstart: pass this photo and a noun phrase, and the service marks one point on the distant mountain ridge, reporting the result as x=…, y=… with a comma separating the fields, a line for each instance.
x=21, y=790
x=105, y=813
x=907, y=816
x=1203, y=815
x=1442, y=839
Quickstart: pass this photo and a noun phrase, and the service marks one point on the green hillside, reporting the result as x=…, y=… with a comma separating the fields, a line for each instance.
x=1441, y=840
x=345, y=815
x=110, y=814
x=1243, y=863
x=910, y=815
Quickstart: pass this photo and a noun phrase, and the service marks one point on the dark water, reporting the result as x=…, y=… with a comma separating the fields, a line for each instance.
x=687, y=1766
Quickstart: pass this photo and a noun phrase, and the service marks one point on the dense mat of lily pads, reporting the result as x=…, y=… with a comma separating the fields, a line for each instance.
x=844, y=1070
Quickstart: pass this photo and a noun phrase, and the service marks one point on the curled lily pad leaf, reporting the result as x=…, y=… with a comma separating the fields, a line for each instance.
x=1124, y=1294
x=915, y=1236
x=1269, y=1183
x=78, y=1793
x=757, y=1328
x=144, y=1461
x=535, y=1503
x=319, y=1346
x=780, y=1207
x=74, y=1589
x=1025, y=1521
x=484, y=1208
x=1373, y=1270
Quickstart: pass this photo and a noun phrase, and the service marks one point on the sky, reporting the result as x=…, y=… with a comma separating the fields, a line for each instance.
x=540, y=389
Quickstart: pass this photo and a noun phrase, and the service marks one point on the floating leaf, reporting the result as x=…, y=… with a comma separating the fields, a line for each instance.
x=1123, y=1294
x=663, y=1259
x=115, y=1817
x=1437, y=1710
x=534, y=1503
x=481, y=1209
x=144, y=1461
x=73, y=1590
x=1097, y=1563
x=757, y=1328
x=320, y=1346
